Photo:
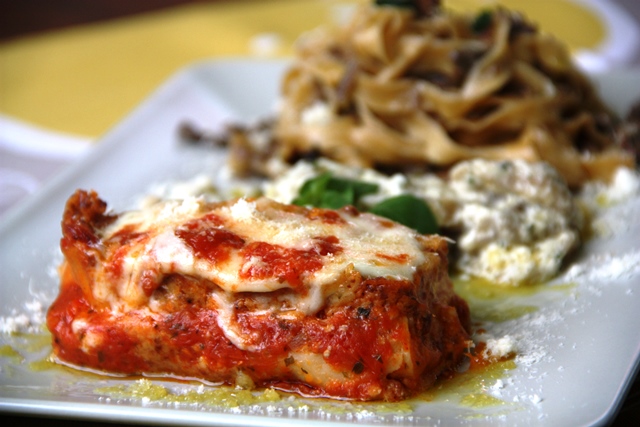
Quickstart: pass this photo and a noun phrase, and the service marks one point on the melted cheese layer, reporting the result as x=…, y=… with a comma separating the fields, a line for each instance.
x=253, y=246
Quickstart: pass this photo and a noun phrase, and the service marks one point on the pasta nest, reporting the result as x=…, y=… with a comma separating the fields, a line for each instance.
x=394, y=89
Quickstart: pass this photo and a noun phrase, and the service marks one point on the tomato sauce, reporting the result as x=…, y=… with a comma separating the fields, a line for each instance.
x=116, y=352
x=207, y=240
x=355, y=340
x=283, y=264
x=398, y=258
x=122, y=241
x=325, y=215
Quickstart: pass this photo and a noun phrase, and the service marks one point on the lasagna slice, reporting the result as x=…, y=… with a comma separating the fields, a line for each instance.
x=255, y=293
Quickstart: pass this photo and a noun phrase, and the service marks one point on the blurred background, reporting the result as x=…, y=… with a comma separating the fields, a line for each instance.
x=80, y=66
x=72, y=69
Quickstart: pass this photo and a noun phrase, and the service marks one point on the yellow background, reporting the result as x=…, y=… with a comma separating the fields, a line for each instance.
x=85, y=79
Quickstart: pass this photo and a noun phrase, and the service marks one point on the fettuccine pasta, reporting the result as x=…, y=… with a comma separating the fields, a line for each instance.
x=398, y=89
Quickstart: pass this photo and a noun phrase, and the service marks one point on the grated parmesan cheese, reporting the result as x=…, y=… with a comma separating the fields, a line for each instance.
x=28, y=321
x=500, y=347
x=605, y=267
x=243, y=210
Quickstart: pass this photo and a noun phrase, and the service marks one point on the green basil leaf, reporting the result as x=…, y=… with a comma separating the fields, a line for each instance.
x=408, y=210
x=325, y=191
x=409, y=4
x=312, y=190
x=336, y=199
x=482, y=22
x=357, y=188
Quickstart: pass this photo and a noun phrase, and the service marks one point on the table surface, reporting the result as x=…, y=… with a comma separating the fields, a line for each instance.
x=40, y=27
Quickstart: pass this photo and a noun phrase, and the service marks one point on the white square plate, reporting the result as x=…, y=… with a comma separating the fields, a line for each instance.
x=579, y=349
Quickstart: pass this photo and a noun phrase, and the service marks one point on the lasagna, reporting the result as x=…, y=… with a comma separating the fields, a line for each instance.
x=255, y=293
